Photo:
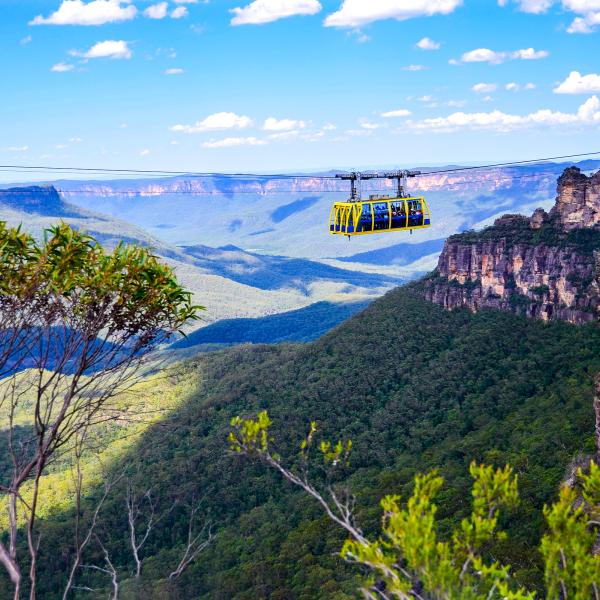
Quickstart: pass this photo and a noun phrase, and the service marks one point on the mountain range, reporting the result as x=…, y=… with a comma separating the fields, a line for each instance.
x=288, y=217
x=228, y=281
x=256, y=247
x=434, y=374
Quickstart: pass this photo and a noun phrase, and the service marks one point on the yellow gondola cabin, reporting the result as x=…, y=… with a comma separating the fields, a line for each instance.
x=380, y=213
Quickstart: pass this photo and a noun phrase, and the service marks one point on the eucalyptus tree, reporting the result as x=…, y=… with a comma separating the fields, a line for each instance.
x=76, y=323
x=411, y=560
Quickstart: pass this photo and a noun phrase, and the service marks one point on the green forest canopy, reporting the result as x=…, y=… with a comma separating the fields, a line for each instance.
x=412, y=385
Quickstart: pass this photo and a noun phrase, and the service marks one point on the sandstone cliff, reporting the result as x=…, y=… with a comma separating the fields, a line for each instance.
x=546, y=266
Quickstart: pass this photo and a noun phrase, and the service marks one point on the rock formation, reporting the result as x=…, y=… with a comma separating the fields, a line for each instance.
x=546, y=266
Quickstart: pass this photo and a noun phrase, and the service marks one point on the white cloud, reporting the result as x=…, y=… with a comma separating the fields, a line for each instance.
x=398, y=113
x=190, y=1
x=179, y=12
x=75, y=140
x=273, y=124
x=215, y=122
x=529, y=54
x=62, y=67
x=365, y=124
x=516, y=87
x=484, y=88
x=361, y=37
x=16, y=149
x=329, y=127
x=234, y=141
x=267, y=11
x=26, y=40
x=97, y=12
x=174, y=71
x=427, y=44
x=414, y=68
x=356, y=13
x=115, y=49
x=145, y=152
x=576, y=83
x=585, y=24
x=588, y=12
x=481, y=55
x=535, y=7
x=157, y=11
x=588, y=112
x=284, y=135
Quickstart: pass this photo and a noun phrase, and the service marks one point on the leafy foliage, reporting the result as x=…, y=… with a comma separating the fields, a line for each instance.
x=411, y=561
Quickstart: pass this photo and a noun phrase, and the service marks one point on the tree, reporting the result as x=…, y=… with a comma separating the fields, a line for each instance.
x=411, y=561
x=76, y=324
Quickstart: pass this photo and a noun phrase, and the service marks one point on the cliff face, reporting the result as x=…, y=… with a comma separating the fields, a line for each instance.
x=546, y=266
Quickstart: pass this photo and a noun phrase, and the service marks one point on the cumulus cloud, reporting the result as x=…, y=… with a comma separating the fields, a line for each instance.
x=535, y=7
x=427, y=44
x=62, y=67
x=174, y=71
x=369, y=125
x=157, y=11
x=115, y=49
x=394, y=114
x=480, y=55
x=414, y=68
x=588, y=112
x=356, y=13
x=96, y=12
x=179, y=12
x=515, y=87
x=215, y=122
x=585, y=24
x=576, y=83
x=273, y=124
x=267, y=11
x=588, y=12
x=484, y=88
x=234, y=141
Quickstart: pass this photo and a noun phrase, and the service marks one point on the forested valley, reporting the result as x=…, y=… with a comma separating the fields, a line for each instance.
x=414, y=386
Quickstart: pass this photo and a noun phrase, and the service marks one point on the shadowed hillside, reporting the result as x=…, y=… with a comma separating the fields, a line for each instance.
x=303, y=325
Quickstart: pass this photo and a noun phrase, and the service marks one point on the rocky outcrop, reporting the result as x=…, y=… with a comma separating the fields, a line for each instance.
x=578, y=201
x=546, y=266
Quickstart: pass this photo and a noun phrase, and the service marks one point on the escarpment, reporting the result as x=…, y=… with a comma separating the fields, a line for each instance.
x=546, y=266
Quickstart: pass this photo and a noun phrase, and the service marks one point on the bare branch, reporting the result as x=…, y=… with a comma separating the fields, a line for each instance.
x=196, y=544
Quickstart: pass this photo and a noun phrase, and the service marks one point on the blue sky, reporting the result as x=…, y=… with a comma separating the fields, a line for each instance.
x=296, y=84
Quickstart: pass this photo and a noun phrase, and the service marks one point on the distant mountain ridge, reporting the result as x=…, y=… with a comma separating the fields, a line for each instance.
x=230, y=282
x=288, y=217
x=545, y=266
